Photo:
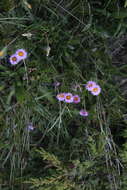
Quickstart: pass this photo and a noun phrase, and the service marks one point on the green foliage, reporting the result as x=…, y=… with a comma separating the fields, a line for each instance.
x=58, y=180
x=70, y=42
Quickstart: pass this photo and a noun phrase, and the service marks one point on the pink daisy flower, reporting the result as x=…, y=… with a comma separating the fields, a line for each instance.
x=83, y=113
x=96, y=90
x=14, y=59
x=21, y=54
x=68, y=97
x=89, y=85
x=76, y=99
x=61, y=96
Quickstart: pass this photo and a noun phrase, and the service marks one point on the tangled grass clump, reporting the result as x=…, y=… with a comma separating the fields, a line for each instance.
x=63, y=95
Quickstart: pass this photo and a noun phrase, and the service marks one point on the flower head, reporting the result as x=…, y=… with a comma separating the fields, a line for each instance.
x=68, y=97
x=21, y=54
x=30, y=127
x=76, y=99
x=83, y=113
x=56, y=84
x=61, y=96
x=96, y=90
x=90, y=85
x=14, y=59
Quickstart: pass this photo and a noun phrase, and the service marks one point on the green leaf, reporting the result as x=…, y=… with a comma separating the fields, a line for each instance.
x=120, y=15
x=125, y=4
x=21, y=94
x=12, y=92
x=3, y=52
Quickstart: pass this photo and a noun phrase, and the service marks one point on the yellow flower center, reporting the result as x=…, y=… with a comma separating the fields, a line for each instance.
x=95, y=89
x=20, y=53
x=68, y=97
x=61, y=95
x=90, y=85
x=75, y=98
x=14, y=59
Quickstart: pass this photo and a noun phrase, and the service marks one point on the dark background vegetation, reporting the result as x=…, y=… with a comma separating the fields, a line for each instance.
x=88, y=41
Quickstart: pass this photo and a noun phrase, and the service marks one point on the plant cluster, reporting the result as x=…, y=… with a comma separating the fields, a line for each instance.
x=63, y=118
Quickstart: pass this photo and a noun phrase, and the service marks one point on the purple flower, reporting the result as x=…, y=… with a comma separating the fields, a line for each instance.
x=14, y=59
x=21, y=54
x=56, y=84
x=96, y=90
x=90, y=84
x=68, y=98
x=61, y=96
x=76, y=99
x=83, y=113
x=30, y=127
